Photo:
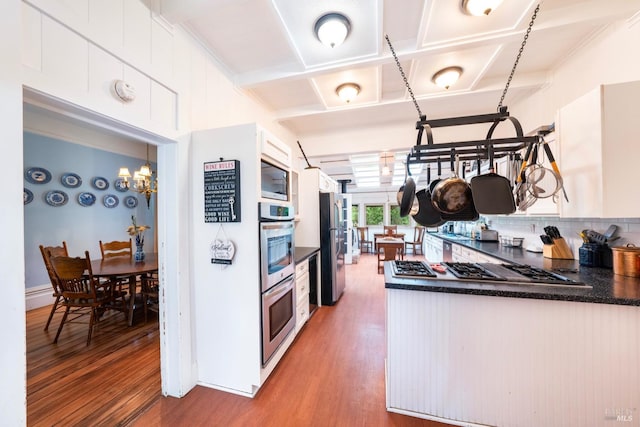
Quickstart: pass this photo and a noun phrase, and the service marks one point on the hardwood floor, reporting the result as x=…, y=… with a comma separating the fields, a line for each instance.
x=107, y=383
x=333, y=374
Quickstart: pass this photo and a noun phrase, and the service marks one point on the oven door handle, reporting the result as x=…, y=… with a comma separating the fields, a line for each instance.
x=276, y=226
x=280, y=288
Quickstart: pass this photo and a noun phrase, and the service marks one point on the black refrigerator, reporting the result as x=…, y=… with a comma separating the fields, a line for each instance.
x=332, y=244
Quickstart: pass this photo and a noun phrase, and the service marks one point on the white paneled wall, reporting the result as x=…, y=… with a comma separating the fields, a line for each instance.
x=511, y=361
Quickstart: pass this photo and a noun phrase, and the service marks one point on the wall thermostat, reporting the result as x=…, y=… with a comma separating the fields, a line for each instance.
x=125, y=91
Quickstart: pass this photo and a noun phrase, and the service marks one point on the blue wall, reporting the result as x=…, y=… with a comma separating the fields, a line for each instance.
x=82, y=227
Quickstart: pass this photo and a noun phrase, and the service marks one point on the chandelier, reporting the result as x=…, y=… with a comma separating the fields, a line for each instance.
x=143, y=180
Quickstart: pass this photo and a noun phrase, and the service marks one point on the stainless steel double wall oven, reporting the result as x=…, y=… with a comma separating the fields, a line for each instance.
x=277, y=268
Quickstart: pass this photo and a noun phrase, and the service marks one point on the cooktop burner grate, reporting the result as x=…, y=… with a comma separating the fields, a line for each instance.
x=412, y=268
x=538, y=275
x=467, y=270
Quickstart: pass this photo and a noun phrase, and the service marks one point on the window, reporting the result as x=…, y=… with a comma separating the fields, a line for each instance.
x=375, y=214
x=354, y=214
x=395, y=218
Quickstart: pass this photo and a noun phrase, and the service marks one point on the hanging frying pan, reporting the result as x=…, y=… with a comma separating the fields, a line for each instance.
x=407, y=192
x=427, y=215
x=453, y=194
x=492, y=192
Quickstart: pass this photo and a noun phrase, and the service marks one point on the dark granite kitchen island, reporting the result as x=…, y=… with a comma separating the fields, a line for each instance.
x=512, y=354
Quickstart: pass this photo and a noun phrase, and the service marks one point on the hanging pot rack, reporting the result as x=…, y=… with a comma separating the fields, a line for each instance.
x=475, y=149
x=468, y=150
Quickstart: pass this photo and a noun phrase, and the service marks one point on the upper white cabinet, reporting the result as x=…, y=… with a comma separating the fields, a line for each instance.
x=275, y=149
x=312, y=182
x=599, y=152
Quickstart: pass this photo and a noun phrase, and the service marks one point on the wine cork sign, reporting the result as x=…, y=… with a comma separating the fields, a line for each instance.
x=222, y=191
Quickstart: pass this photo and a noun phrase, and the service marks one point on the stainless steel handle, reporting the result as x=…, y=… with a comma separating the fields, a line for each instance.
x=278, y=226
x=280, y=288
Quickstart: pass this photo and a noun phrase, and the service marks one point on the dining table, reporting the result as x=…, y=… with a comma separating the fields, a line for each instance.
x=394, y=244
x=378, y=236
x=126, y=266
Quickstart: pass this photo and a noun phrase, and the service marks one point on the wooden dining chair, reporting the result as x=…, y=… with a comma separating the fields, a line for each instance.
x=82, y=293
x=363, y=238
x=390, y=229
x=116, y=248
x=150, y=294
x=388, y=252
x=416, y=243
x=122, y=248
x=47, y=252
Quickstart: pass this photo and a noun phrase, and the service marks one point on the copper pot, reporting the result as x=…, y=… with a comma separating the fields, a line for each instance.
x=626, y=260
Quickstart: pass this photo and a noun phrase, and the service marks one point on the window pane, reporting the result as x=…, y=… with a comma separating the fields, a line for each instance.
x=396, y=219
x=374, y=214
x=354, y=215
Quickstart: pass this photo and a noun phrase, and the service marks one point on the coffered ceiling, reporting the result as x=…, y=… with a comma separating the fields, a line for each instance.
x=269, y=50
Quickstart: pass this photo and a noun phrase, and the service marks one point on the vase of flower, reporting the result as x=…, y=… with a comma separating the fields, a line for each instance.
x=139, y=255
x=138, y=231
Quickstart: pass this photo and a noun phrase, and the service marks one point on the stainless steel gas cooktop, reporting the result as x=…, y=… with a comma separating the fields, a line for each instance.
x=511, y=273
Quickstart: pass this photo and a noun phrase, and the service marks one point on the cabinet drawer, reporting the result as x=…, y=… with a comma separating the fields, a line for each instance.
x=302, y=313
x=302, y=268
x=302, y=287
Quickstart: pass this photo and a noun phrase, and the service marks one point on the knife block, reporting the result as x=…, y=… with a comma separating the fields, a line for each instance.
x=558, y=250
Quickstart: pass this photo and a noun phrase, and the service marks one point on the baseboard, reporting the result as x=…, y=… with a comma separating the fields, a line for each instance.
x=38, y=296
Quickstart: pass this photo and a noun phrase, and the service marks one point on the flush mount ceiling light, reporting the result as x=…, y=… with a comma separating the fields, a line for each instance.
x=447, y=76
x=479, y=7
x=332, y=29
x=348, y=91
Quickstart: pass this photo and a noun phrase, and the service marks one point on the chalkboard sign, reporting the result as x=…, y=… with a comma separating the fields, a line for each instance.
x=222, y=191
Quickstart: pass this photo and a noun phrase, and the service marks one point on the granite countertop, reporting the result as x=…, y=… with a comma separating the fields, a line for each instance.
x=606, y=287
x=300, y=253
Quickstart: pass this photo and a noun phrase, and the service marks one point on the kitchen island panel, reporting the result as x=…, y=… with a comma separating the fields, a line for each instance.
x=511, y=361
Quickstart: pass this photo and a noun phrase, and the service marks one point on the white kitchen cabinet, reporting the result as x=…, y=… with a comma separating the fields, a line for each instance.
x=312, y=182
x=460, y=253
x=295, y=194
x=482, y=257
x=599, y=152
x=433, y=248
x=274, y=149
x=302, y=294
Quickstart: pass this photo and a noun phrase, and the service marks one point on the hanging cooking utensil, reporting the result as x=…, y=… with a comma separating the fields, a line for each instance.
x=521, y=189
x=407, y=192
x=453, y=194
x=542, y=182
x=435, y=182
x=492, y=193
x=552, y=160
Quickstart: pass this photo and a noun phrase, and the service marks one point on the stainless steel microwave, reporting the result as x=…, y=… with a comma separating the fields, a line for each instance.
x=274, y=182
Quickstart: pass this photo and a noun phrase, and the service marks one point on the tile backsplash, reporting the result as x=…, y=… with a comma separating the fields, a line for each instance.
x=532, y=227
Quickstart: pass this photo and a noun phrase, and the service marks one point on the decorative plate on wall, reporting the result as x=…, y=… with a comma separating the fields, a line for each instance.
x=56, y=198
x=99, y=183
x=37, y=175
x=86, y=199
x=131, y=202
x=28, y=196
x=71, y=180
x=120, y=185
x=110, y=200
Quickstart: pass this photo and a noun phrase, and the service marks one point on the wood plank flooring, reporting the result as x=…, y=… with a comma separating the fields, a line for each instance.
x=333, y=374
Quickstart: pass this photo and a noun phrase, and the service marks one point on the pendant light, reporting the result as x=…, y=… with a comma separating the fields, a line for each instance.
x=143, y=181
